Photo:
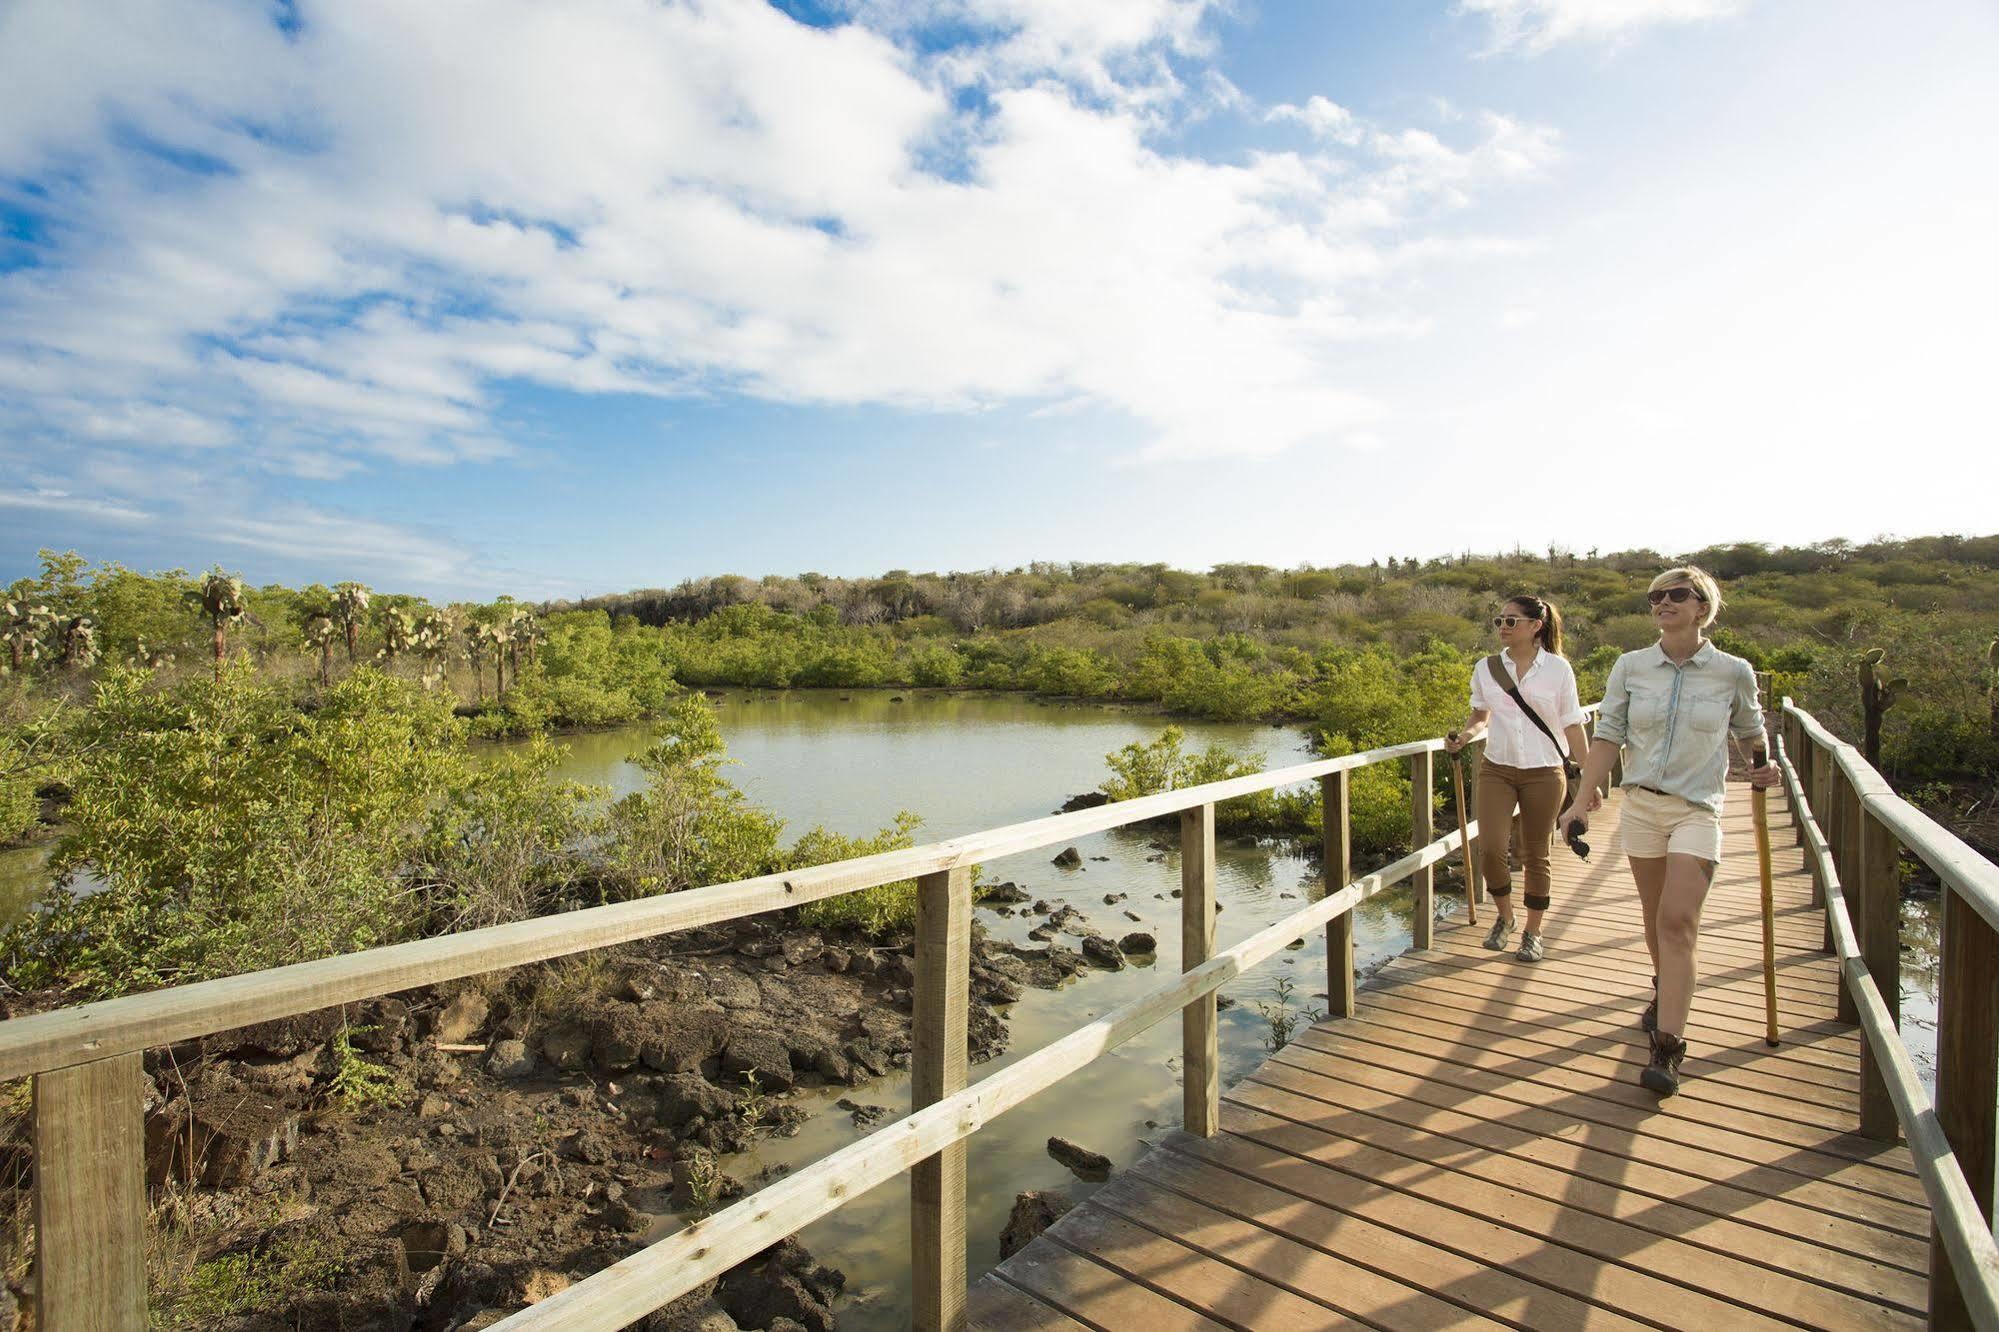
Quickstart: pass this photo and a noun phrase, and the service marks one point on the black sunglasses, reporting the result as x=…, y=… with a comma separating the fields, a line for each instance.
x=1672, y=594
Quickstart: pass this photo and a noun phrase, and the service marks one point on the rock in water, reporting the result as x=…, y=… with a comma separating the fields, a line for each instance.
x=781, y=1282
x=1033, y=1212
x=1138, y=941
x=1068, y=858
x=1103, y=952
x=1083, y=1162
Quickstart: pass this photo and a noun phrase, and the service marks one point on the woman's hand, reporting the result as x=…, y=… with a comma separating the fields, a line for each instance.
x=1454, y=742
x=1587, y=803
x=1765, y=777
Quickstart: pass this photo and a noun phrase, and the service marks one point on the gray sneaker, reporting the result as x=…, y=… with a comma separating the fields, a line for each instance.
x=1495, y=938
x=1530, y=947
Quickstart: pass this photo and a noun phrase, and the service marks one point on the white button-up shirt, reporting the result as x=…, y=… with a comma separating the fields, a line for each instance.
x=1549, y=686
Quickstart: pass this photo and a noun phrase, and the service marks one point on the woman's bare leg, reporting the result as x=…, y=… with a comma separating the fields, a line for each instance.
x=1650, y=876
x=1678, y=926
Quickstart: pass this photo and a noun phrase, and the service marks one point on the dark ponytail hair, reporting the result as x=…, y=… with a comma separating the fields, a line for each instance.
x=1540, y=608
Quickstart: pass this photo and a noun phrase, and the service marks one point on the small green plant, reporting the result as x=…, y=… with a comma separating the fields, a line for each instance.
x=359, y=1084
x=751, y=1101
x=1282, y=1017
x=703, y=1179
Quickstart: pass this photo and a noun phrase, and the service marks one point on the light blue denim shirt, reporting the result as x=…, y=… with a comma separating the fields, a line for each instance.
x=1674, y=721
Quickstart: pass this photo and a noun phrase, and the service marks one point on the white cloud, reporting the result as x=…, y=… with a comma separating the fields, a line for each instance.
x=57, y=501
x=331, y=249
x=1537, y=25
x=1323, y=117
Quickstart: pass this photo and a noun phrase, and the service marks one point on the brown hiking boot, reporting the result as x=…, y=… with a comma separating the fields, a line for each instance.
x=1662, y=1075
x=1649, y=1019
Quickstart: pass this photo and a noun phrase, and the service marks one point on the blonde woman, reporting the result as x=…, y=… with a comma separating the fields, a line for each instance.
x=1522, y=698
x=1672, y=708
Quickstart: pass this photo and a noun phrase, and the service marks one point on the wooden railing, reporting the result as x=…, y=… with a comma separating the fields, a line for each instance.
x=90, y=1197
x=1853, y=828
x=90, y=1192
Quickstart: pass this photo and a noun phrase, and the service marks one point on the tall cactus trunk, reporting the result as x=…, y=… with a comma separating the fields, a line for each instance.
x=221, y=647
x=353, y=641
x=326, y=663
x=1876, y=697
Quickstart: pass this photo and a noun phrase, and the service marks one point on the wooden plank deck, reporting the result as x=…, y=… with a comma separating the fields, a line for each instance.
x=1472, y=1150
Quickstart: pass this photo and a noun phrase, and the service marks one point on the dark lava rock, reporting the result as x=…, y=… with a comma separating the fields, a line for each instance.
x=1068, y=858
x=781, y=1282
x=1138, y=941
x=1008, y=892
x=1041, y=933
x=867, y=1116
x=510, y=1061
x=1087, y=800
x=758, y=1050
x=1103, y=952
x=567, y=1046
x=680, y=1038
x=684, y=1096
x=1033, y=1212
x=461, y=1019
x=1083, y=1162
x=222, y=1137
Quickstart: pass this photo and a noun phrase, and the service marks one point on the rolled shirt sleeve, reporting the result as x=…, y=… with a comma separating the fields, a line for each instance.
x=1745, y=718
x=1611, y=717
x=1478, y=699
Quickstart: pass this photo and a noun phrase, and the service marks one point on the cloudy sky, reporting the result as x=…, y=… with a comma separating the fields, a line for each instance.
x=482, y=295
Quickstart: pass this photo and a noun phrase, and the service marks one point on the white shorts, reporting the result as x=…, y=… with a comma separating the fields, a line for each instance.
x=1654, y=825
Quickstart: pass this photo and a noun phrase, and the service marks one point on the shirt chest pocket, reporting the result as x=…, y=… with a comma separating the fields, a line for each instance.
x=1650, y=704
x=1705, y=710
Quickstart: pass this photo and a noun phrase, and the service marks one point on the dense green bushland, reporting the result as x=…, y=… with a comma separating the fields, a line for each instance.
x=233, y=829
x=260, y=774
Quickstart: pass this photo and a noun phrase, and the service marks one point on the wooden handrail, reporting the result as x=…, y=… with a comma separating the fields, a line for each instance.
x=635, y=1286
x=1961, y=868
x=1965, y=1275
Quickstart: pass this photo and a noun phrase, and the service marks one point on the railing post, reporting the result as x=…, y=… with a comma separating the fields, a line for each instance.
x=1336, y=828
x=1422, y=831
x=937, y=1069
x=1794, y=745
x=1878, y=900
x=1852, y=881
x=90, y=1196
x=1200, y=1046
x=1967, y=1076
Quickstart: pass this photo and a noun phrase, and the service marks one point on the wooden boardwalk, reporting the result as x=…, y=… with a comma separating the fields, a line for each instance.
x=1473, y=1150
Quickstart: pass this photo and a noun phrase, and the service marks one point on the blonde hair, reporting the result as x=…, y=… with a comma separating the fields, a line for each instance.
x=1704, y=587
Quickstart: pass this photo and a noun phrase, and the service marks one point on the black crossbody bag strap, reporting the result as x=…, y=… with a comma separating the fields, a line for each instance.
x=1496, y=664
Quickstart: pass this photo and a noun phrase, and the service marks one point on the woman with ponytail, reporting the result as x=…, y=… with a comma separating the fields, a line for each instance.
x=1523, y=698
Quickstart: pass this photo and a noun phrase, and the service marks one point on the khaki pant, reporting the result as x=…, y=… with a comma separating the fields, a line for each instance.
x=1539, y=793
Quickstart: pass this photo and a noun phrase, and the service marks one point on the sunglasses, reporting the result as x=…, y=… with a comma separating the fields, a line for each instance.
x=1673, y=594
x=1508, y=621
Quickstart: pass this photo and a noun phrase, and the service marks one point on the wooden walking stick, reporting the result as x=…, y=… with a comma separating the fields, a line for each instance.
x=1759, y=803
x=1464, y=838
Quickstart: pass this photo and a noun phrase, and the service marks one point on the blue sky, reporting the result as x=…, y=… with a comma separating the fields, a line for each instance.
x=498, y=296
